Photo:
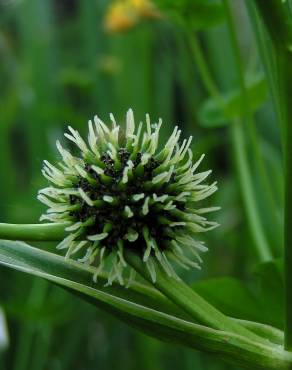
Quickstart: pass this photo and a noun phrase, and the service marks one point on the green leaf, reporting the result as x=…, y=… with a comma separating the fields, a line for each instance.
x=197, y=14
x=270, y=290
x=23, y=257
x=131, y=305
x=126, y=304
x=218, y=112
x=188, y=299
x=230, y=296
x=261, y=300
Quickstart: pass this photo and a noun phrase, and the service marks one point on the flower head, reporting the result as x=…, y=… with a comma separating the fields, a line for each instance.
x=122, y=191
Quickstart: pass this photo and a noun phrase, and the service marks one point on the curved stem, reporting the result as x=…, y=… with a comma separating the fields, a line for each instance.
x=266, y=331
x=36, y=298
x=206, y=313
x=33, y=232
x=188, y=300
x=150, y=318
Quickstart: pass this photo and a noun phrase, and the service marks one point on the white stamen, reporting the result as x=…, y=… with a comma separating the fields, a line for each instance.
x=97, y=169
x=85, y=197
x=161, y=198
x=130, y=123
x=112, y=117
x=131, y=235
x=137, y=197
x=160, y=178
x=174, y=224
x=97, y=237
x=108, y=198
x=145, y=207
x=74, y=227
x=127, y=171
x=92, y=138
x=76, y=138
x=81, y=171
x=128, y=212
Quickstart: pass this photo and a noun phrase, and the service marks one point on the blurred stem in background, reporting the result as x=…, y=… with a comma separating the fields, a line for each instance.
x=27, y=332
x=238, y=145
x=277, y=18
x=39, y=64
x=249, y=123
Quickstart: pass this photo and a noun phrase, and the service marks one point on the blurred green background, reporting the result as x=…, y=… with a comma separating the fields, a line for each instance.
x=61, y=65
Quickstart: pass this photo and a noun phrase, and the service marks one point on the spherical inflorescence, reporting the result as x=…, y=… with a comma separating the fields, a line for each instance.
x=123, y=192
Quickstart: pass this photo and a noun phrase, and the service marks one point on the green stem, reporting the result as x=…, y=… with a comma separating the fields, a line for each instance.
x=239, y=340
x=188, y=300
x=247, y=192
x=33, y=232
x=203, y=68
x=36, y=299
x=266, y=331
x=287, y=94
x=267, y=56
x=285, y=83
x=149, y=319
x=251, y=126
x=278, y=22
x=178, y=292
x=41, y=353
x=255, y=226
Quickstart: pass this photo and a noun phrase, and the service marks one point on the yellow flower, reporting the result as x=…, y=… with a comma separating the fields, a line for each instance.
x=145, y=8
x=122, y=15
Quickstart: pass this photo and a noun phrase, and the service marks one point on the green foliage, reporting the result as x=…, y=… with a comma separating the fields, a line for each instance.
x=59, y=67
x=260, y=300
x=218, y=112
x=141, y=307
x=271, y=292
x=197, y=14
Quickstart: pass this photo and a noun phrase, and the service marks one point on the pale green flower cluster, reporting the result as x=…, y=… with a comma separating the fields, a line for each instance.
x=123, y=192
